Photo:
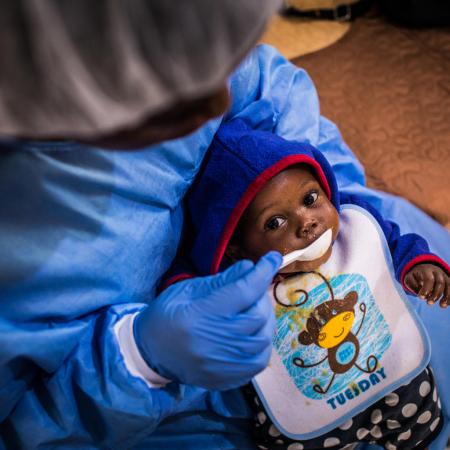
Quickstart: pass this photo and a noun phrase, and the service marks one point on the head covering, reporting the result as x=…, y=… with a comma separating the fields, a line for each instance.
x=85, y=68
x=239, y=163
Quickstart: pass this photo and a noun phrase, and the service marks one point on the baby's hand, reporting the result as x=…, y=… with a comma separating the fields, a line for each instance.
x=429, y=282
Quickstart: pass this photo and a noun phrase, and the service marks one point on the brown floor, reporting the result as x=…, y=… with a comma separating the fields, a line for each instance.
x=388, y=90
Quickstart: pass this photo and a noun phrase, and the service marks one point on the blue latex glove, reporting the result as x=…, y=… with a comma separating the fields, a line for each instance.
x=214, y=332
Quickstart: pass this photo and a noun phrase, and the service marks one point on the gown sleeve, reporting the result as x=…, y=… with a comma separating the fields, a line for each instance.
x=85, y=236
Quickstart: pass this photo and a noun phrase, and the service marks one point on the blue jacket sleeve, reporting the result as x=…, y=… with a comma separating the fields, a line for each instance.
x=407, y=250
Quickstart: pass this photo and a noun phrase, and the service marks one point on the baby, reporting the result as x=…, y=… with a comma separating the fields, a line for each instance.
x=337, y=359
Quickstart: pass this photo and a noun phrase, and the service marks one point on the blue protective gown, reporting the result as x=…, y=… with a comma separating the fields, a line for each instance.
x=85, y=236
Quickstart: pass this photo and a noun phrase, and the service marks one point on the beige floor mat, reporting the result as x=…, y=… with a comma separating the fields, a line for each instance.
x=388, y=89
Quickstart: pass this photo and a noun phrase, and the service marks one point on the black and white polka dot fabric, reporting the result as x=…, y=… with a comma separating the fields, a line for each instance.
x=408, y=418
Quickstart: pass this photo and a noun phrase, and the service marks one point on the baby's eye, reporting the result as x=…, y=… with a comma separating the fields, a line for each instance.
x=274, y=223
x=310, y=198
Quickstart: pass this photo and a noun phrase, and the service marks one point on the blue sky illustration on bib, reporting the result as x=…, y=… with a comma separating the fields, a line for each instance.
x=336, y=335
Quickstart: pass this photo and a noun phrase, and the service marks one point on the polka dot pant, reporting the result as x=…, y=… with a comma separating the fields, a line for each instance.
x=408, y=418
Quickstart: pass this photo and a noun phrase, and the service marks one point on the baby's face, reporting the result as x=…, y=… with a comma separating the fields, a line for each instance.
x=289, y=213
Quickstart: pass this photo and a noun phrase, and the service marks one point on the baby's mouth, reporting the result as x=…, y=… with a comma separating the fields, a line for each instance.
x=314, y=251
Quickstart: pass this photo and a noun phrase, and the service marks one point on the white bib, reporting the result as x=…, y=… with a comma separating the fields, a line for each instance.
x=346, y=335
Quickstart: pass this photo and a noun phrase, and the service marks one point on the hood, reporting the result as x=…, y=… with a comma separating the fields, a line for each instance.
x=239, y=162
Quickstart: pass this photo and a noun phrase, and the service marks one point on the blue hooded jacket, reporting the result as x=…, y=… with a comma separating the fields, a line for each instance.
x=239, y=162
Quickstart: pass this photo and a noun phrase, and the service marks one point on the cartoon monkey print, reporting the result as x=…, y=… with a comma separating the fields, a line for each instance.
x=329, y=327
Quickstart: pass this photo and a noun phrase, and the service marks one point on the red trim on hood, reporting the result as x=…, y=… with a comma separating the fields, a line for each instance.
x=251, y=192
x=422, y=259
x=175, y=279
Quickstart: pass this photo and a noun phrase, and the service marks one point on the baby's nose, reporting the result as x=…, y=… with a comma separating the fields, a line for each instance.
x=308, y=227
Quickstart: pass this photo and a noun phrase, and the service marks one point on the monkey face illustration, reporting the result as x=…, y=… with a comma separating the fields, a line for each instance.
x=329, y=326
x=330, y=323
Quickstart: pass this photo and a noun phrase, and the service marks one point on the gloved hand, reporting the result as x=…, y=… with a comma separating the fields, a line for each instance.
x=214, y=332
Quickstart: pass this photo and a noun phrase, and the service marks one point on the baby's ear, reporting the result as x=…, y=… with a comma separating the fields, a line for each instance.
x=234, y=253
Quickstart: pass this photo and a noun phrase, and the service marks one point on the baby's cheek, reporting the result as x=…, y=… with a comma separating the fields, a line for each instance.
x=332, y=219
x=284, y=246
x=259, y=245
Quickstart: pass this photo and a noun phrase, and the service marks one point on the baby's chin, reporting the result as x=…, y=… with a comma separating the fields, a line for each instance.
x=307, y=266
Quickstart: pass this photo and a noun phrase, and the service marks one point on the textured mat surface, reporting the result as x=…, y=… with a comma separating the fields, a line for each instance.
x=294, y=36
x=388, y=90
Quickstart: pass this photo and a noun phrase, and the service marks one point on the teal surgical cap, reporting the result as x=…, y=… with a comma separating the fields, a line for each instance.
x=85, y=68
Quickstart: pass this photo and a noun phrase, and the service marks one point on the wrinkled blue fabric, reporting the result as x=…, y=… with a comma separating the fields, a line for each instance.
x=85, y=236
